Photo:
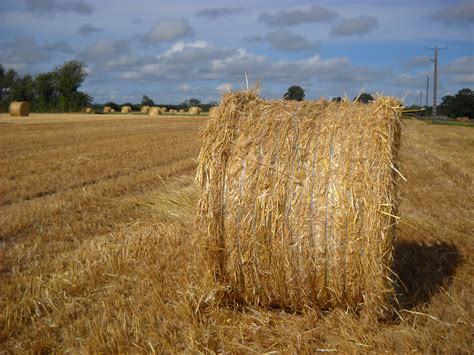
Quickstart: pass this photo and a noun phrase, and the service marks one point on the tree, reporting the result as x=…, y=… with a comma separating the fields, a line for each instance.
x=337, y=99
x=459, y=105
x=69, y=78
x=294, y=93
x=146, y=101
x=194, y=102
x=364, y=97
x=47, y=95
x=113, y=105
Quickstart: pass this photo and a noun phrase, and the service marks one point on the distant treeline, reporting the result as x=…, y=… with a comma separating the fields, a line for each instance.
x=54, y=91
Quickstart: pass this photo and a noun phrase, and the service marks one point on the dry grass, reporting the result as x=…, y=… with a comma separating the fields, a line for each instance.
x=97, y=249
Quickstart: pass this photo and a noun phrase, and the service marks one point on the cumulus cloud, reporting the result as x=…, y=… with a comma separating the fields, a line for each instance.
x=463, y=65
x=223, y=88
x=109, y=54
x=285, y=40
x=355, y=26
x=315, y=13
x=21, y=52
x=51, y=7
x=459, y=14
x=184, y=62
x=460, y=71
x=414, y=62
x=212, y=13
x=167, y=29
x=59, y=47
x=88, y=29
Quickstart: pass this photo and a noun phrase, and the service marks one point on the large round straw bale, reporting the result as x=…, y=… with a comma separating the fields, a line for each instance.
x=107, y=109
x=212, y=110
x=126, y=109
x=19, y=108
x=299, y=201
x=144, y=109
x=154, y=111
x=194, y=110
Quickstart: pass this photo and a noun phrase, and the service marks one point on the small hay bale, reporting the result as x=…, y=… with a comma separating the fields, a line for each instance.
x=89, y=110
x=145, y=109
x=108, y=109
x=126, y=109
x=154, y=111
x=462, y=119
x=173, y=111
x=194, y=110
x=299, y=201
x=19, y=108
x=112, y=110
x=212, y=110
x=163, y=109
x=182, y=111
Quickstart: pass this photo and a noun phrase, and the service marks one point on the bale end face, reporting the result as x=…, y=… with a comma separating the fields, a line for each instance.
x=299, y=201
x=19, y=109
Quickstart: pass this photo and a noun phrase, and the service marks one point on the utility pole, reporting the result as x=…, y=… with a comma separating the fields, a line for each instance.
x=435, y=79
x=427, y=88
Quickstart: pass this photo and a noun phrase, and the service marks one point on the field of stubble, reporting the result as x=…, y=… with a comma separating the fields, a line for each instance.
x=97, y=248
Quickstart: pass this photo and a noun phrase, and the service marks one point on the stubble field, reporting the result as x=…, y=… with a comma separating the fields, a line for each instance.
x=98, y=249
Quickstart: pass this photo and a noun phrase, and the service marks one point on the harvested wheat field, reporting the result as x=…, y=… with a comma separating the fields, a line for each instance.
x=98, y=248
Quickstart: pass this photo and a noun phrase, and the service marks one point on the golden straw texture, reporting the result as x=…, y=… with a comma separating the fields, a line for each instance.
x=126, y=109
x=154, y=111
x=19, y=108
x=299, y=201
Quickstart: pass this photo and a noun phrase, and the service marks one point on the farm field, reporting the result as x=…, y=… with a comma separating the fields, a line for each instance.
x=98, y=246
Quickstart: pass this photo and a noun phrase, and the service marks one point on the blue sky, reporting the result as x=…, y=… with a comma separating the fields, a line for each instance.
x=175, y=50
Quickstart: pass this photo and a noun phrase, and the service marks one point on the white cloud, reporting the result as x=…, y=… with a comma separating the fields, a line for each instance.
x=315, y=13
x=459, y=14
x=215, y=12
x=51, y=7
x=223, y=88
x=355, y=26
x=88, y=29
x=284, y=39
x=167, y=29
x=414, y=62
x=109, y=54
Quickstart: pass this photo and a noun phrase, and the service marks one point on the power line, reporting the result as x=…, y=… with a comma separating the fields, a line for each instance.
x=435, y=78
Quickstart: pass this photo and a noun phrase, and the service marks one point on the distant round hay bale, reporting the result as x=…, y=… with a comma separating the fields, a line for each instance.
x=163, y=109
x=172, y=111
x=194, y=110
x=212, y=110
x=89, y=110
x=19, y=108
x=112, y=110
x=144, y=109
x=154, y=111
x=298, y=208
x=462, y=119
x=182, y=111
x=126, y=109
x=107, y=109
